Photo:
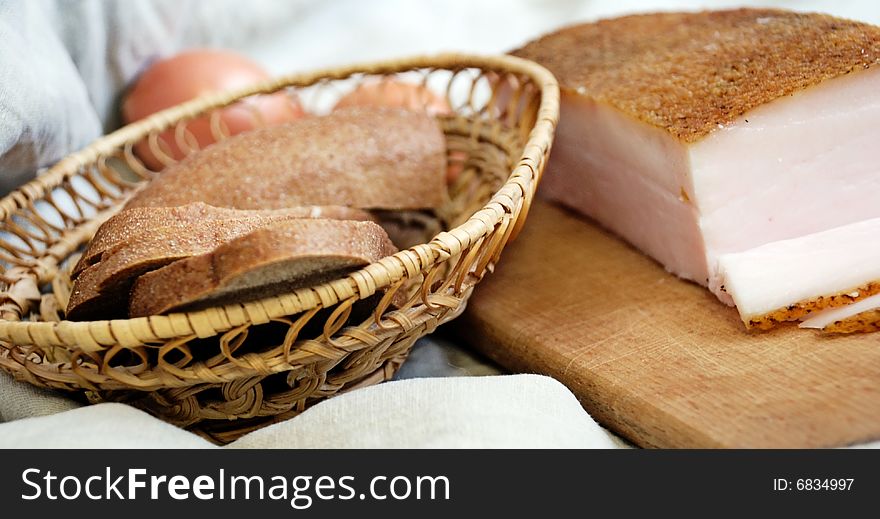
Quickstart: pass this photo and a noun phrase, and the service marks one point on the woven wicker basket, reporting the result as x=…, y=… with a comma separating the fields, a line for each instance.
x=228, y=370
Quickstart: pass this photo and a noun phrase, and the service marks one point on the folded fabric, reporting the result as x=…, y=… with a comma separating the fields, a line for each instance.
x=63, y=65
x=508, y=411
x=20, y=400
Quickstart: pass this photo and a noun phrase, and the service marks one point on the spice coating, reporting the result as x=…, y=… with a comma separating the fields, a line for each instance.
x=688, y=73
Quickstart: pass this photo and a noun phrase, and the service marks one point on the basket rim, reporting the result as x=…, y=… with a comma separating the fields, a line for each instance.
x=100, y=334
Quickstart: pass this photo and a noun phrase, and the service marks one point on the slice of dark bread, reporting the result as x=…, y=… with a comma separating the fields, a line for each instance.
x=272, y=260
x=102, y=294
x=87, y=303
x=365, y=157
x=133, y=224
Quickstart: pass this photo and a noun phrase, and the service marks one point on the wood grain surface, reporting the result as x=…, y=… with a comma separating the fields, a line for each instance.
x=659, y=360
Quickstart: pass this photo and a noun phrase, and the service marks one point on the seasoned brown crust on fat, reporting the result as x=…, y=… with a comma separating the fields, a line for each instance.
x=864, y=322
x=799, y=310
x=689, y=72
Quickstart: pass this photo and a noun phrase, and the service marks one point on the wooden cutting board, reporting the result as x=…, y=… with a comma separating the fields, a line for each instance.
x=659, y=360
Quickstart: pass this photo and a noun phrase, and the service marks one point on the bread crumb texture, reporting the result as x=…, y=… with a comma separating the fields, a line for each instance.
x=690, y=72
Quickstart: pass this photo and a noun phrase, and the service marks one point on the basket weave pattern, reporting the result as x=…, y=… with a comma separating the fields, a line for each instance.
x=227, y=370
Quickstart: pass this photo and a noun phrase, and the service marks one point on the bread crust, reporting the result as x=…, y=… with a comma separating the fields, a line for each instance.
x=688, y=73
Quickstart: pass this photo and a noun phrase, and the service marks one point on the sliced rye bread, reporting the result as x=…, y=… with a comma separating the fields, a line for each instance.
x=275, y=259
x=87, y=303
x=101, y=289
x=130, y=224
x=365, y=157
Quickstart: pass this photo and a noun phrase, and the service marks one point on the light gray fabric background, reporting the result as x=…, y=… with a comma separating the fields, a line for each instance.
x=63, y=65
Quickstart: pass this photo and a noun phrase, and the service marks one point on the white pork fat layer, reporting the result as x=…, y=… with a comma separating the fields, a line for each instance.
x=793, y=167
x=786, y=272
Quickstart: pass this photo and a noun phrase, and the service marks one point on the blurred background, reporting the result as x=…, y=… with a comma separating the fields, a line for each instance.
x=64, y=64
x=333, y=32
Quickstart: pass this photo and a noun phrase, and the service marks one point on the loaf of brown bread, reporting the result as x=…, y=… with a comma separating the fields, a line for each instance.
x=100, y=291
x=131, y=224
x=272, y=260
x=365, y=157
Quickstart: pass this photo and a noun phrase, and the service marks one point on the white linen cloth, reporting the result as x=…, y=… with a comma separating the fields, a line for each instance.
x=63, y=66
x=511, y=411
